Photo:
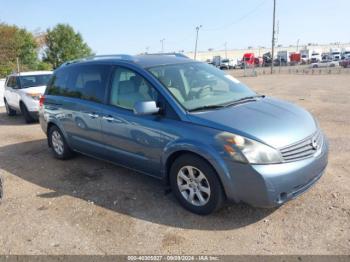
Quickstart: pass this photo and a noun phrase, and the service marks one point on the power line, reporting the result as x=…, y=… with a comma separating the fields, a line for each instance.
x=239, y=19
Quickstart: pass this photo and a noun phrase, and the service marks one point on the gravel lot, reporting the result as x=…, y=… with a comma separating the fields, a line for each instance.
x=86, y=206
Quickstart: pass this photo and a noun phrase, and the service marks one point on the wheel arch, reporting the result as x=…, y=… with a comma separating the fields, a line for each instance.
x=207, y=155
x=52, y=123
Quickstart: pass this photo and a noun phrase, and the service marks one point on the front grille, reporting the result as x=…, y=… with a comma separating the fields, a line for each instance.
x=303, y=149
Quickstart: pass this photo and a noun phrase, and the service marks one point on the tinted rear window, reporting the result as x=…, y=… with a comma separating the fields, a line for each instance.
x=87, y=82
x=34, y=80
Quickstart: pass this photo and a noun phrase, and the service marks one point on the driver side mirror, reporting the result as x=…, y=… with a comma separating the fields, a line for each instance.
x=146, y=108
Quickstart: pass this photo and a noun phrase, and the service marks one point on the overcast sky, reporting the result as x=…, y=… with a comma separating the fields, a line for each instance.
x=130, y=26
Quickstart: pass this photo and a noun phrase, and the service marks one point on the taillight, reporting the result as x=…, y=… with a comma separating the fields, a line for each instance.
x=41, y=100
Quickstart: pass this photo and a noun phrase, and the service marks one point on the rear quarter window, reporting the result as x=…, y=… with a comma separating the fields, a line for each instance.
x=88, y=82
x=57, y=83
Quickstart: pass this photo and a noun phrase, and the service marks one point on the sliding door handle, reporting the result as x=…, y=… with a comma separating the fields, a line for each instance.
x=108, y=118
x=93, y=115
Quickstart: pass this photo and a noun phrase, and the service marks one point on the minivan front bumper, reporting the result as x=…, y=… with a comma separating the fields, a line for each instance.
x=274, y=184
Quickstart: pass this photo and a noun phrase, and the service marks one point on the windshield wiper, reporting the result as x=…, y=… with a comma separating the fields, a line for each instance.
x=211, y=107
x=243, y=99
x=208, y=107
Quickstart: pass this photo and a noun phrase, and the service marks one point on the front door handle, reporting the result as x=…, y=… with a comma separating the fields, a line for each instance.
x=108, y=118
x=93, y=115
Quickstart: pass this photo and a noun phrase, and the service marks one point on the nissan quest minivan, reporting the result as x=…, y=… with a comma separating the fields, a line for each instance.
x=208, y=136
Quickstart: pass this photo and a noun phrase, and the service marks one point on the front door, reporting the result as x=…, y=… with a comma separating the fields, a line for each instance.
x=132, y=140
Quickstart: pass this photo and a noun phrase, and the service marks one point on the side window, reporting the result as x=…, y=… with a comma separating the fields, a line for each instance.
x=128, y=87
x=87, y=82
x=11, y=82
x=57, y=83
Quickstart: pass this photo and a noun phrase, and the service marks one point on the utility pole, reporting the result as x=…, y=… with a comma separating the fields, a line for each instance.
x=162, y=41
x=18, y=69
x=195, y=47
x=273, y=34
x=298, y=44
x=225, y=44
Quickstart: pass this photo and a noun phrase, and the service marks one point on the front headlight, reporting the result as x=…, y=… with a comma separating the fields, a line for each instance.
x=246, y=150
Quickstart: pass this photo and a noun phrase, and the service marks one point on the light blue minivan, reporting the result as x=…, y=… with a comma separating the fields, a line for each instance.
x=204, y=133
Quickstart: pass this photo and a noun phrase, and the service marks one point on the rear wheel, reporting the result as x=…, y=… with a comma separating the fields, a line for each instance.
x=27, y=117
x=9, y=110
x=196, y=184
x=58, y=144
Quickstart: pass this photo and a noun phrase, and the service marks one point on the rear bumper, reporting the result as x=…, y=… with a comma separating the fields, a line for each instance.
x=273, y=185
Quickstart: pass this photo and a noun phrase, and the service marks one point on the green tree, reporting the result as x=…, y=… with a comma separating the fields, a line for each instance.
x=64, y=44
x=16, y=43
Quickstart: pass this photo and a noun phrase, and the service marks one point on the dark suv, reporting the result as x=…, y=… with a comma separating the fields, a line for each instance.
x=188, y=123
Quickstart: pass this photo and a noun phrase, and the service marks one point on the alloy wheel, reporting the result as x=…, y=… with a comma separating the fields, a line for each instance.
x=193, y=185
x=57, y=142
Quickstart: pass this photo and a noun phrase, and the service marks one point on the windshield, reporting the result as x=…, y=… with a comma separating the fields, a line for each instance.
x=197, y=85
x=34, y=80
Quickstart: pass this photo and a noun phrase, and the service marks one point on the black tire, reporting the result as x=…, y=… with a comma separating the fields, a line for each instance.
x=9, y=110
x=217, y=196
x=27, y=117
x=66, y=152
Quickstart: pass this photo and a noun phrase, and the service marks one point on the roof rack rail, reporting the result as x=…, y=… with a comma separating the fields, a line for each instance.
x=96, y=57
x=169, y=54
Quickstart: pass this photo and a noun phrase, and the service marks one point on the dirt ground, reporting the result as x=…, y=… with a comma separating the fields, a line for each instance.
x=86, y=206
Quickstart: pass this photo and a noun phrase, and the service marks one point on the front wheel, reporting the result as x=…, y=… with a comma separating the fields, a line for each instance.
x=196, y=184
x=27, y=117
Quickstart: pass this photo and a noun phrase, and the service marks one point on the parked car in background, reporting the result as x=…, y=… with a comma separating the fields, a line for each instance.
x=282, y=58
x=325, y=63
x=267, y=59
x=217, y=61
x=335, y=54
x=23, y=91
x=345, y=62
x=248, y=60
x=203, y=132
x=316, y=56
x=2, y=90
x=346, y=53
x=228, y=64
x=305, y=56
x=295, y=58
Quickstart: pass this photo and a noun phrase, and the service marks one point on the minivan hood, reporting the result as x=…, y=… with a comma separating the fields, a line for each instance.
x=34, y=89
x=271, y=121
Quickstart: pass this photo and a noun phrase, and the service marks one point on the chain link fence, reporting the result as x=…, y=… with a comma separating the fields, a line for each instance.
x=297, y=70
